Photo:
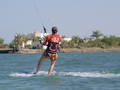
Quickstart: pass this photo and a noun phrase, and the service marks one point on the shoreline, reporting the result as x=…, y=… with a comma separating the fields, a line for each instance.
x=68, y=50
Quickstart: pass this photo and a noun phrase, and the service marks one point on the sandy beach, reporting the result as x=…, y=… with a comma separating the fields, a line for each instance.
x=65, y=50
x=73, y=50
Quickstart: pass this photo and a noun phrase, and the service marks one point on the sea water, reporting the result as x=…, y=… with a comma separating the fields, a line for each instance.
x=73, y=71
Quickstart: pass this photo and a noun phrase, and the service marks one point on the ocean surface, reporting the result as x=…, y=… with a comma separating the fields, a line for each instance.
x=73, y=71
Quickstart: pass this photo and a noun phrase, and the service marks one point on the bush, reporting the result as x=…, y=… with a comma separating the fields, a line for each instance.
x=28, y=46
x=1, y=41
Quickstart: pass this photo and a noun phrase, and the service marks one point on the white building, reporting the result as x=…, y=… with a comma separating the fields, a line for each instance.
x=67, y=39
x=29, y=42
x=36, y=44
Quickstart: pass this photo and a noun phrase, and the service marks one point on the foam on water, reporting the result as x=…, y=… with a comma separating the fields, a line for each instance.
x=28, y=74
x=75, y=74
x=20, y=75
x=90, y=74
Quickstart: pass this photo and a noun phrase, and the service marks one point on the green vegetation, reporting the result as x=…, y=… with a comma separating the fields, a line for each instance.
x=97, y=39
x=76, y=42
x=1, y=43
x=20, y=41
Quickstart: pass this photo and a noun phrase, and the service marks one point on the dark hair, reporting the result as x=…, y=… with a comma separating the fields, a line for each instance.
x=54, y=30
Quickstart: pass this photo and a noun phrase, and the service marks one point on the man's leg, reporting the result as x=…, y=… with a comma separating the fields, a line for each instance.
x=52, y=67
x=40, y=62
x=53, y=59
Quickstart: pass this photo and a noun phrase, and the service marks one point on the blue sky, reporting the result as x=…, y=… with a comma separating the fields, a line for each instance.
x=72, y=17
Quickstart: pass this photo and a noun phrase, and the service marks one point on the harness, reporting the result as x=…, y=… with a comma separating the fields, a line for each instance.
x=53, y=48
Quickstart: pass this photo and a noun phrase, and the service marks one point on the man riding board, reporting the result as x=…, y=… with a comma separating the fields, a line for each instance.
x=52, y=42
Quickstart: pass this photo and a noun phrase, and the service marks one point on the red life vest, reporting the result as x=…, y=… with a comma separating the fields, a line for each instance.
x=53, y=43
x=54, y=38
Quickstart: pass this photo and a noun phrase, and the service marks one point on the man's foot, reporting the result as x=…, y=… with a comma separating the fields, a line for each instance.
x=34, y=72
x=49, y=74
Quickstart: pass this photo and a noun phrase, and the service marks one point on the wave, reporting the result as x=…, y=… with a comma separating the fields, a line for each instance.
x=28, y=74
x=74, y=74
x=90, y=74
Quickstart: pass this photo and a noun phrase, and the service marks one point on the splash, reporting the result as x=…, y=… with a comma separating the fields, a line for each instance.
x=20, y=75
x=24, y=74
x=74, y=74
x=90, y=74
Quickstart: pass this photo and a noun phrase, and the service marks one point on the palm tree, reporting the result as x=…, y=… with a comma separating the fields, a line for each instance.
x=19, y=40
x=97, y=34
